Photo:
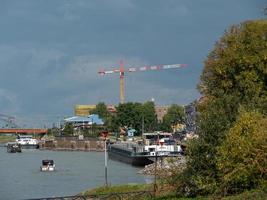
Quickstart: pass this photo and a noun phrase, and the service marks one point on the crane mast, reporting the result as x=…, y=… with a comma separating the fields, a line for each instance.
x=122, y=71
x=122, y=94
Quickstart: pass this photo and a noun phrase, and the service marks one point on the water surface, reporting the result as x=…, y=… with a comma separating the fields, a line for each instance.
x=21, y=177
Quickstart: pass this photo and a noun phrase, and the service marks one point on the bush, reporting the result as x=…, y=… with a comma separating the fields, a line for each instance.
x=242, y=158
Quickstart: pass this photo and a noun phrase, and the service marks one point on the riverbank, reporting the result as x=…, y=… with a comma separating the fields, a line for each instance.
x=164, y=165
x=7, y=138
x=133, y=192
x=72, y=144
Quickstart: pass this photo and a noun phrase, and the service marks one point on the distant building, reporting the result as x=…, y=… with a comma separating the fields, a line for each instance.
x=111, y=108
x=131, y=132
x=190, y=117
x=161, y=111
x=79, y=121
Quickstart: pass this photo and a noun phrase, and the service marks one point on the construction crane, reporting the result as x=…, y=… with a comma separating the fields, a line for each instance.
x=9, y=120
x=121, y=70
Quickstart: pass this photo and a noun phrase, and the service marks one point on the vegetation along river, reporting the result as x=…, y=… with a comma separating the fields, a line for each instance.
x=21, y=177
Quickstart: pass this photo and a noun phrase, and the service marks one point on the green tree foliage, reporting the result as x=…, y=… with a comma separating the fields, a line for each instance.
x=175, y=114
x=215, y=119
x=149, y=116
x=242, y=158
x=132, y=115
x=109, y=120
x=68, y=129
x=102, y=111
x=238, y=65
x=234, y=76
x=129, y=115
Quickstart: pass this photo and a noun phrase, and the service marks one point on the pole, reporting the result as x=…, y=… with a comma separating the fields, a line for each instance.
x=155, y=171
x=92, y=126
x=106, y=165
x=142, y=126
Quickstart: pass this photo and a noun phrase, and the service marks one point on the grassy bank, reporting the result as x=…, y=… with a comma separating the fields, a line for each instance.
x=7, y=138
x=248, y=195
x=118, y=189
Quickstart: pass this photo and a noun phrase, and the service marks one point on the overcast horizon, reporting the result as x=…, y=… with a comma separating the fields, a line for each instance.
x=51, y=51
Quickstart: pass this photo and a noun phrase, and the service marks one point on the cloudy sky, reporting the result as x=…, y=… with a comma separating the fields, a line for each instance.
x=51, y=51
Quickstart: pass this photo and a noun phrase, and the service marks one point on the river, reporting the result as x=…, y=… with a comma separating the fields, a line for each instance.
x=21, y=177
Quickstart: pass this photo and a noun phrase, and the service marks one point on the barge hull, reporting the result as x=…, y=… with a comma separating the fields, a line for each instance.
x=129, y=159
x=30, y=146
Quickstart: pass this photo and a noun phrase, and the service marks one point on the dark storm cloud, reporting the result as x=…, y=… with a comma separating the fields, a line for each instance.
x=51, y=50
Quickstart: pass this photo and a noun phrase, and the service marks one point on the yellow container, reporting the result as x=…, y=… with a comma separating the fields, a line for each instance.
x=83, y=110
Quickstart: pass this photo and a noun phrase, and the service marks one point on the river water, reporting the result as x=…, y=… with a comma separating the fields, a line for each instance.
x=21, y=177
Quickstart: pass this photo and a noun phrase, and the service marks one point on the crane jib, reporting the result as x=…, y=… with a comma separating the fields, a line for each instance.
x=122, y=70
x=144, y=68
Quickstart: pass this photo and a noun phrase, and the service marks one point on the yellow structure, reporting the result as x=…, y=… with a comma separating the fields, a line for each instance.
x=83, y=110
x=178, y=127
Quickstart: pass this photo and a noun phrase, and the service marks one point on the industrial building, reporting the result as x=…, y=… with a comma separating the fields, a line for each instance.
x=161, y=111
x=79, y=121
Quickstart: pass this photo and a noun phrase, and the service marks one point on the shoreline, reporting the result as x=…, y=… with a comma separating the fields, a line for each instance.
x=69, y=149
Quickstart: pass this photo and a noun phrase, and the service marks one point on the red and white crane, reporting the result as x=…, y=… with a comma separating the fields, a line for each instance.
x=122, y=70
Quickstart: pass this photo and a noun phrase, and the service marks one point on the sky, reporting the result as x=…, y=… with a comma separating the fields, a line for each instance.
x=51, y=51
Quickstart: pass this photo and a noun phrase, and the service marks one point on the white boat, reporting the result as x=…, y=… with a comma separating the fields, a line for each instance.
x=160, y=144
x=27, y=141
x=48, y=166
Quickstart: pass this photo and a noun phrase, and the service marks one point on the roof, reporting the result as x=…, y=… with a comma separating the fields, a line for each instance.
x=91, y=119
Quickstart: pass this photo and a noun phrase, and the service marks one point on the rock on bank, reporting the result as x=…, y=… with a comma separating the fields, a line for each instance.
x=165, y=165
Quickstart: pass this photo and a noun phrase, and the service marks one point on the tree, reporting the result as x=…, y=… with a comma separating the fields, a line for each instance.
x=101, y=110
x=129, y=115
x=68, y=129
x=242, y=157
x=132, y=115
x=234, y=76
x=149, y=116
x=237, y=65
x=214, y=120
x=175, y=114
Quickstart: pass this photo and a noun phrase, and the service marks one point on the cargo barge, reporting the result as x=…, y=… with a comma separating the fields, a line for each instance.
x=127, y=153
x=153, y=145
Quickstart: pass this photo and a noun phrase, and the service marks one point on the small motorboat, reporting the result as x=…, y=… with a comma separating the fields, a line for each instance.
x=13, y=147
x=48, y=165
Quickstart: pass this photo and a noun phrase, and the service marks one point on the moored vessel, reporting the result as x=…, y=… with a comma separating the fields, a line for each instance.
x=128, y=152
x=27, y=142
x=13, y=147
x=156, y=144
